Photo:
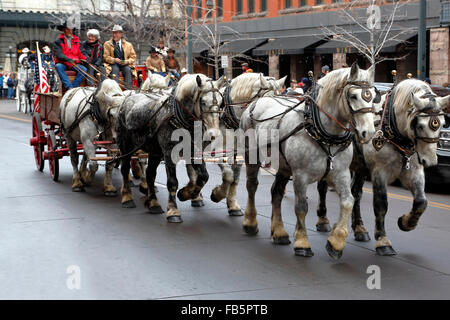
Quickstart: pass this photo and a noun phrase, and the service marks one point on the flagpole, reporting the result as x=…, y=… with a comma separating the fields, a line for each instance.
x=39, y=66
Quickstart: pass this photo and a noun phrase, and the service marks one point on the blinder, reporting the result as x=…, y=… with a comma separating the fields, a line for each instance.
x=447, y=120
x=377, y=98
x=366, y=95
x=434, y=124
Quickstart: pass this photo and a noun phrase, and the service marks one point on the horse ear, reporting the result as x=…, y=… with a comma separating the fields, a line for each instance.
x=263, y=81
x=354, y=71
x=219, y=83
x=417, y=102
x=443, y=102
x=371, y=72
x=377, y=98
x=199, y=81
x=282, y=81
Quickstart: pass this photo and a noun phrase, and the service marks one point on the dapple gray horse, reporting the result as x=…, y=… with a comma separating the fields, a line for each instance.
x=414, y=117
x=345, y=97
x=86, y=112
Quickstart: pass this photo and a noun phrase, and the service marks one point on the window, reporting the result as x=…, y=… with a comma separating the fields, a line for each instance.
x=319, y=1
x=219, y=4
x=303, y=3
x=263, y=5
x=251, y=6
x=199, y=9
x=287, y=3
x=238, y=7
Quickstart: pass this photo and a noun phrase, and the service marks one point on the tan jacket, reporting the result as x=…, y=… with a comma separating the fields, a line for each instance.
x=128, y=53
x=155, y=63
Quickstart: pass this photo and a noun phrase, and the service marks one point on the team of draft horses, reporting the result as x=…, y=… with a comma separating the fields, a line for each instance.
x=338, y=133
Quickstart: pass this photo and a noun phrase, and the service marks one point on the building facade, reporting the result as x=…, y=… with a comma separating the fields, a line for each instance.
x=290, y=37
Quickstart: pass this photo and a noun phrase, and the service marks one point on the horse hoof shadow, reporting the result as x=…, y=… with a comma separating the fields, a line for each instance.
x=323, y=227
x=235, y=213
x=335, y=254
x=386, y=251
x=197, y=203
x=110, y=193
x=155, y=210
x=129, y=204
x=303, y=252
x=362, y=237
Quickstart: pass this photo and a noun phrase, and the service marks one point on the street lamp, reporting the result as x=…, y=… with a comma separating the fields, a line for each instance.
x=168, y=5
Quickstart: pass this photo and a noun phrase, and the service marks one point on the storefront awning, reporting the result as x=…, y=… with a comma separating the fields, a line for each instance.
x=291, y=45
x=235, y=47
x=334, y=46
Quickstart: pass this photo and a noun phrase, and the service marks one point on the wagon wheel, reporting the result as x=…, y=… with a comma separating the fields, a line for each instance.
x=53, y=159
x=38, y=147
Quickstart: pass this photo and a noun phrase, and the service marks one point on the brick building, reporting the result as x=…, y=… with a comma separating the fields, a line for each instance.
x=286, y=37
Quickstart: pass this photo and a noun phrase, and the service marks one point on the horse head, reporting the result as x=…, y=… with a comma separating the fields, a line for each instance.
x=155, y=81
x=201, y=96
x=352, y=91
x=109, y=97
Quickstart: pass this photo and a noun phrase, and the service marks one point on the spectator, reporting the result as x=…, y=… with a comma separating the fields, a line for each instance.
x=119, y=56
x=245, y=68
x=5, y=86
x=428, y=80
x=155, y=63
x=69, y=56
x=11, y=85
x=306, y=84
x=93, y=50
x=162, y=49
x=171, y=63
x=325, y=70
x=446, y=85
x=1, y=85
x=294, y=89
x=25, y=53
x=47, y=58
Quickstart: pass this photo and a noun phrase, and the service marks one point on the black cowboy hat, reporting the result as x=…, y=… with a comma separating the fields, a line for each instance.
x=171, y=50
x=64, y=25
x=152, y=50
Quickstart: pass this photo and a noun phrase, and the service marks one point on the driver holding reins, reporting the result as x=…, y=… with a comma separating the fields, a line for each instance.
x=68, y=54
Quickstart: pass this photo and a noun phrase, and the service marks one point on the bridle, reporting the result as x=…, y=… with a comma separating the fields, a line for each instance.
x=366, y=95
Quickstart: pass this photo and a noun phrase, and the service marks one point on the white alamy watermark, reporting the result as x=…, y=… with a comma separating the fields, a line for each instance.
x=374, y=17
x=262, y=146
x=73, y=281
x=374, y=280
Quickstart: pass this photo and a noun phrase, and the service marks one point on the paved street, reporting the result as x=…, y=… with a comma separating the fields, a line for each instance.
x=130, y=254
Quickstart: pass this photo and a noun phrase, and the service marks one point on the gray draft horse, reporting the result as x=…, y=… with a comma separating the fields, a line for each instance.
x=405, y=143
x=314, y=144
x=147, y=121
x=86, y=114
x=239, y=93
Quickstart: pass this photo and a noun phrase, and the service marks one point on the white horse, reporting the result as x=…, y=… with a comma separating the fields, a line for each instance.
x=311, y=150
x=87, y=114
x=410, y=131
x=239, y=93
x=155, y=81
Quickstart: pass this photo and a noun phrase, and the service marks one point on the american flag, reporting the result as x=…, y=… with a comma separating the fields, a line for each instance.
x=40, y=79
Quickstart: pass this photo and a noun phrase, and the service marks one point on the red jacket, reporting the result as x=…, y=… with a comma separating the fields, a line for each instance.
x=64, y=55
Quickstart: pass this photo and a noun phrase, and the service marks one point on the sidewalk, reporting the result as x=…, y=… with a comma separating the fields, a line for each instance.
x=8, y=111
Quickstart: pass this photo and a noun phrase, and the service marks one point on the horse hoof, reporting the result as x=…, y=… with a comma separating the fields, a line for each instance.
x=400, y=225
x=251, y=231
x=155, y=210
x=282, y=241
x=180, y=195
x=335, y=254
x=78, y=189
x=197, y=203
x=142, y=189
x=323, y=227
x=386, y=251
x=362, y=237
x=213, y=198
x=129, y=204
x=174, y=219
x=303, y=252
x=235, y=213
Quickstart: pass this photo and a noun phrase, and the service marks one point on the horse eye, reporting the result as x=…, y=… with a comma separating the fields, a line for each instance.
x=353, y=96
x=420, y=127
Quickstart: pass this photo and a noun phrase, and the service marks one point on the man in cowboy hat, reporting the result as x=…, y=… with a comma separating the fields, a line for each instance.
x=68, y=56
x=47, y=57
x=119, y=56
x=155, y=63
x=172, y=63
x=25, y=53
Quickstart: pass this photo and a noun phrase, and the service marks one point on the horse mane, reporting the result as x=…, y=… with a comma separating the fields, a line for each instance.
x=331, y=84
x=187, y=86
x=243, y=86
x=104, y=85
x=402, y=99
x=154, y=81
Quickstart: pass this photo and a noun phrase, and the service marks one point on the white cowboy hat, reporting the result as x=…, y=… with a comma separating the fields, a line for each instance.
x=117, y=28
x=184, y=70
x=25, y=50
x=46, y=49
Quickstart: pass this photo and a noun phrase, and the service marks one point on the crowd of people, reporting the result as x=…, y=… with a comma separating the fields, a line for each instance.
x=8, y=84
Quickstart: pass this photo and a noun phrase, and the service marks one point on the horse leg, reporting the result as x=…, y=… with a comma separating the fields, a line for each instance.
x=415, y=181
x=361, y=233
x=77, y=184
x=234, y=209
x=250, y=223
x=323, y=224
x=173, y=214
x=220, y=192
x=185, y=193
x=89, y=151
x=152, y=202
x=127, y=196
x=279, y=234
x=192, y=174
x=338, y=235
x=143, y=185
x=108, y=188
x=380, y=207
